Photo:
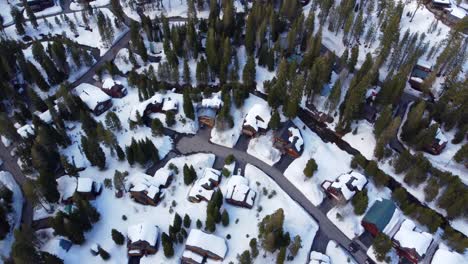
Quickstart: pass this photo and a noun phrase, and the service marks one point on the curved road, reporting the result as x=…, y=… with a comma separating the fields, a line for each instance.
x=199, y=143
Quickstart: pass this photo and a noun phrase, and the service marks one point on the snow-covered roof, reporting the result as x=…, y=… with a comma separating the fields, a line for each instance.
x=214, y=102
x=424, y=63
x=441, y=137
x=296, y=136
x=445, y=2
x=46, y=116
x=238, y=190
x=26, y=131
x=210, y=175
x=417, y=79
x=193, y=256
x=66, y=186
x=169, y=104
x=444, y=256
x=371, y=93
x=138, y=182
x=214, y=244
x=319, y=258
x=354, y=179
x=197, y=190
x=258, y=116
x=109, y=83
x=409, y=237
x=143, y=232
x=458, y=13
x=141, y=107
x=392, y=225
x=91, y=95
x=84, y=184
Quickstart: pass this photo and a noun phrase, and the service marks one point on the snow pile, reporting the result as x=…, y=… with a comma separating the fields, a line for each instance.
x=363, y=140
x=318, y=258
x=14, y=218
x=409, y=237
x=122, y=61
x=262, y=148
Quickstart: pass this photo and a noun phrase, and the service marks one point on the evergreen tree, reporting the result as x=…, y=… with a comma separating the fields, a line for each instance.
x=310, y=168
x=186, y=75
x=248, y=74
x=157, y=127
x=118, y=238
x=281, y=256
x=383, y=120
x=225, y=218
x=188, y=105
x=168, y=247
x=187, y=221
x=274, y=120
x=360, y=202
x=382, y=246
x=113, y=121
x=386, y=136
x=295, y=246
x=270, y=231
x=353, y=59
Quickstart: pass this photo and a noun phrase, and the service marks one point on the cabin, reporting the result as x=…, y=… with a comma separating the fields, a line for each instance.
x=239, y=193
x=345, y=186
x=207, y=111
x=202, y=247
x=113, y=88
x=440, y=4
x=66, y=186
x=204, y=187
x=147, y=107
x=88, y=188
x=94, y=98
x=382, y=217
x=148, y=190
x=438, y=144
x=39, y=5
x=170, y=105
x=420, y=72
x=412, y=243
x=257, y=119
x=369, y=109
x=288, y=139
x=456, y=15
x=142, y=239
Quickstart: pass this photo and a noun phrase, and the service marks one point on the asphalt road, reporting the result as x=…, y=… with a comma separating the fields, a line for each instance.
x=9, y=164
x=199, y=143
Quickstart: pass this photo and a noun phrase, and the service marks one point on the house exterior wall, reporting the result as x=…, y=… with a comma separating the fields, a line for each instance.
x=141, y=197
x=203, y=252
x=102, y=107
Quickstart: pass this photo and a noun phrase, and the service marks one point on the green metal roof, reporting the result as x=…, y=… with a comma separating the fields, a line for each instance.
x=380, y=213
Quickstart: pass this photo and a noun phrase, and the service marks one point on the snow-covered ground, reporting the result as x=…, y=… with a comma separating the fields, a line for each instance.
x=123, y=63
x=363, y=140
x=338, y=255
x=393, y=256
x=262, y=148
x=14, y=218
x=331, y=161
x=229, y=137
x=169, y=8
x=48, y=11
x=90, y=38
x=241, y=227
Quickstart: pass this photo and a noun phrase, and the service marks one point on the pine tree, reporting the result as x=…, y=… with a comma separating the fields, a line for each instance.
x=274, y=120
x=250, y=34
x=353, y=59
x=188, y=105
x=167, y=245
x=186, y=75
x=187, y=221
x=310, y=168
x=386, y=136
x=413, y=121
x=295, y=246
x=281, y=256
x=118, y=238
x=360, y=202
x=18, y=18
x=225, y=218
x=382, y=246
x=157, y=127
x=383, y=120
x=249, y=72
x=113, y=121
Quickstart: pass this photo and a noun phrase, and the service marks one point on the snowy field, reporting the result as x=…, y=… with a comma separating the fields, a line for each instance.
x=338, y=255
x=331, y=161
x=88, y=37
x=14, y=218
x=296, y=220
x=363, y=140
x=170, y=8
